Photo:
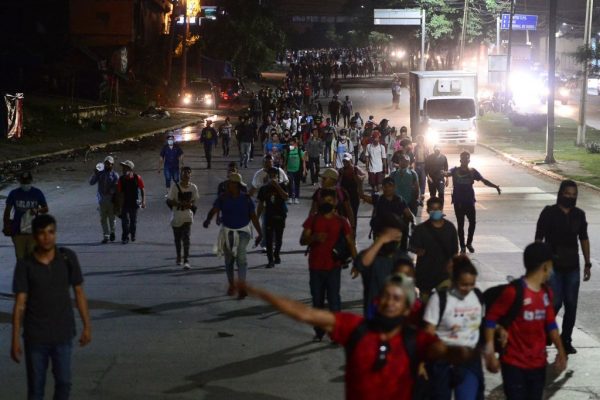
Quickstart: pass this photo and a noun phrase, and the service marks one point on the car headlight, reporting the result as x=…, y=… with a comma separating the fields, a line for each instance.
x=563, y=91
x=187, y=100
x=432, y=136
x=472, y=134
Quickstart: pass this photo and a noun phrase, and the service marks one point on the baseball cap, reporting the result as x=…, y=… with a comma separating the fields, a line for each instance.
x=235, y=177
x=330, y=173
x=347, y=157
x=109, y=159
x=536, y=254
x=128, y=163
x=407, y=285
x=25, y=177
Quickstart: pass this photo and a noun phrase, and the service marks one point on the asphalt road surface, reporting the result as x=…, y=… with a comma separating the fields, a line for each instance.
x=162, y=333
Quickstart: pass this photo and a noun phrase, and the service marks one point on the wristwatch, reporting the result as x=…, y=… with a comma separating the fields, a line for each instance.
x=588, y=265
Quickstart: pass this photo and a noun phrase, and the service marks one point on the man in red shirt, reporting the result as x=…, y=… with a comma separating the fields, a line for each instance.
x=379, y=364
x=131, y=189
x=321, y=232
x=523, y=358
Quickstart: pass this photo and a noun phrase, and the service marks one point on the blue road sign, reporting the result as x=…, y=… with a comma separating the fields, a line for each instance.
x=520, y=22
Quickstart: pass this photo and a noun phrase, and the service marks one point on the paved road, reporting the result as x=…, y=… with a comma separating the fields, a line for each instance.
x=162, y=333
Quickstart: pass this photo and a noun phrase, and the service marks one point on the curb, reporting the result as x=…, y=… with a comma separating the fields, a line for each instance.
x=102, y=145
x=535, y=168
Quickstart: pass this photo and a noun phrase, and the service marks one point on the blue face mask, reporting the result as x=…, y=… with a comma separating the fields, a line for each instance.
x=436, y=215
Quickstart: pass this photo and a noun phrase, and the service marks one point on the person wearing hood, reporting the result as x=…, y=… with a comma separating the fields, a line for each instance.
x=171, y=158
x=382, y=353
x=24, y=203
x=561, y=225
x=106, y=179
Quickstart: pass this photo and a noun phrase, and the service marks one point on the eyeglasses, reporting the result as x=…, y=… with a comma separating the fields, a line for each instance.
x=382, y=353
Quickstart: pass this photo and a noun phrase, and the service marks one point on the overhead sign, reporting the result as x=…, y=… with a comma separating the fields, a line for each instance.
x=520, y=22
x=388, y=16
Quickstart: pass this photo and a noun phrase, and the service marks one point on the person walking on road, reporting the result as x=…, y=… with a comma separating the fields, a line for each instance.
x=182, y=200
x=435, y=242
x=245, y=138
x=351, y=180
x=314, y=150
x=329, y=135
x=271, y=199
x=295, y=164
x=334, y=108
x=436, y=168
x=43, y=307
x=133, y=196
x=463, y=197
x=107, y=180
x=320, y=234
x=560, y=226
x=171, y=159
x=407, y=183
x=523, y=358
x=208, y=138
x=421, y=152
x=341, y=146
x=225, y=133
x=355, y=135
x=237, y=214
x=376, y=162
x=346, y=111
x=24, y=203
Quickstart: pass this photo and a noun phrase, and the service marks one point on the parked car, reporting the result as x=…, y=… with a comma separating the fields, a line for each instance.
x=200, y=93
x=231, y=89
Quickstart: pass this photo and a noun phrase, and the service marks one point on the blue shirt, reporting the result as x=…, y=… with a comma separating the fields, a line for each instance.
x=107, y=185
x=462, y=182
x=235, y=211
x=171, y=156
x=404, y=181
x=22, y=201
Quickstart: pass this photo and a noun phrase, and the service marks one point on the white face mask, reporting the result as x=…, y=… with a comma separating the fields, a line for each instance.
x=292, y=147
x=170, y=142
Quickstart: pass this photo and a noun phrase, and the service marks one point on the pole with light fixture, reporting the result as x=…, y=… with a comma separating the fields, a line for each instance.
x=463, y=33
x=551, y=82
x=587, y=38
x=423, y=33
x=184, y=46
x=510, y=34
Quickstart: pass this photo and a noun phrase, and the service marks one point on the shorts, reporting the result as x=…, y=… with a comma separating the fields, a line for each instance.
x=375, y=178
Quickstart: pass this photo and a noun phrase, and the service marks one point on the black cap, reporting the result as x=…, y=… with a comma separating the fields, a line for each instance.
x=536, y=254
x=25, y=177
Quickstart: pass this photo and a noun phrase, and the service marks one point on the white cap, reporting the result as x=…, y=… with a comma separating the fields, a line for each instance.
x=110, y=159
x=128, y=163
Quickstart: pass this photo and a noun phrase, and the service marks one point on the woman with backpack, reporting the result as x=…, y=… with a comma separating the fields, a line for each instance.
x=455, y=316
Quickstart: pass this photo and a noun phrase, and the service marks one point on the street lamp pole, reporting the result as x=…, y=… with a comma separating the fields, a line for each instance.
x=587, y=38
x=551, y=82
x=463, y=33
x=510, y=33
x=422, y=64
x=184, y=46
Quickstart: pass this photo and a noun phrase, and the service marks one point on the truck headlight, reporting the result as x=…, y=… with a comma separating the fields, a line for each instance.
x=208, y=99
x=472, y=134
x=564, y=92
x=432, y=136
x=187, y=98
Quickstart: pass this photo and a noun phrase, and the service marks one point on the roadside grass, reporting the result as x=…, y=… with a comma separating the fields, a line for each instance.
x=575, y=162
x=45, y=130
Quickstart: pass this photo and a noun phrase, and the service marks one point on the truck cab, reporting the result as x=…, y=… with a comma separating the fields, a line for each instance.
x=443, y=107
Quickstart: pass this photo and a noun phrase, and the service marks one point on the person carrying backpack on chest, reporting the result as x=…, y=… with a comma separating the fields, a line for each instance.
x=524, y=309
x=455, y=316
x=407, y=183
x=132, y=196
x=382, y=353
x=295, y=163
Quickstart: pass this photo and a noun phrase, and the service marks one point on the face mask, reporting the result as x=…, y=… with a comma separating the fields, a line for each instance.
x=436, y=215
x=292, y=147
x=129, y=173
x=325, y=208
x=170, y=142
x=567, y=202
x=379, y=323
x=26, y=186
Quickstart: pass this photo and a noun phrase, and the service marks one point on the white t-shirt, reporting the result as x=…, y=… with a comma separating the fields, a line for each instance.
x=376, y=155
x=261, y=177
x=461, y=319
x=179, y=217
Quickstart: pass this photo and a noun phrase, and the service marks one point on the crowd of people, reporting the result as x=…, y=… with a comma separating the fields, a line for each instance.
x=425, y=327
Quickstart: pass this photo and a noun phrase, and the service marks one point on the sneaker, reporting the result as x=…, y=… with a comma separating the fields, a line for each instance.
x=277, y=260
x=133, y=238
x=105, y=240
x=463, y=250
x=242, y=295
x=230, y=290
x=112, y=237
x=263, y=250
x=125, y=241
x=270, y=265
x=186, y=265
x=290, y=200
x=570, y=349
x=178, y=262
x=296, y=201
x=317, y=338
x=471, y=248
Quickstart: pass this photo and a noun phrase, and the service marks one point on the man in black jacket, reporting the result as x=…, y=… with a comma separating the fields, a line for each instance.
x=560, y=225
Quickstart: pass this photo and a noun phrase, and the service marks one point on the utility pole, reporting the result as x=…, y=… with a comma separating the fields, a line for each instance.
x=551, y=81
x=587, y=37
x=423, y=33
x=509, y=52
x=170, y=44
x=497, y=35
x=463, y=33
x=184, y=46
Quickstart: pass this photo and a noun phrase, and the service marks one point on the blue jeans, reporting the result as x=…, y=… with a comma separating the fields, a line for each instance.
x=326, y=283
x=37, y=357
x=238, y=258
x=465, y=380
x=523, y=384
x=171, y=174
x=295, y=178
x=565, y=286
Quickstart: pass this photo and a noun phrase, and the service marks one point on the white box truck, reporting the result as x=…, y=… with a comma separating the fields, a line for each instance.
x=443, y=107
